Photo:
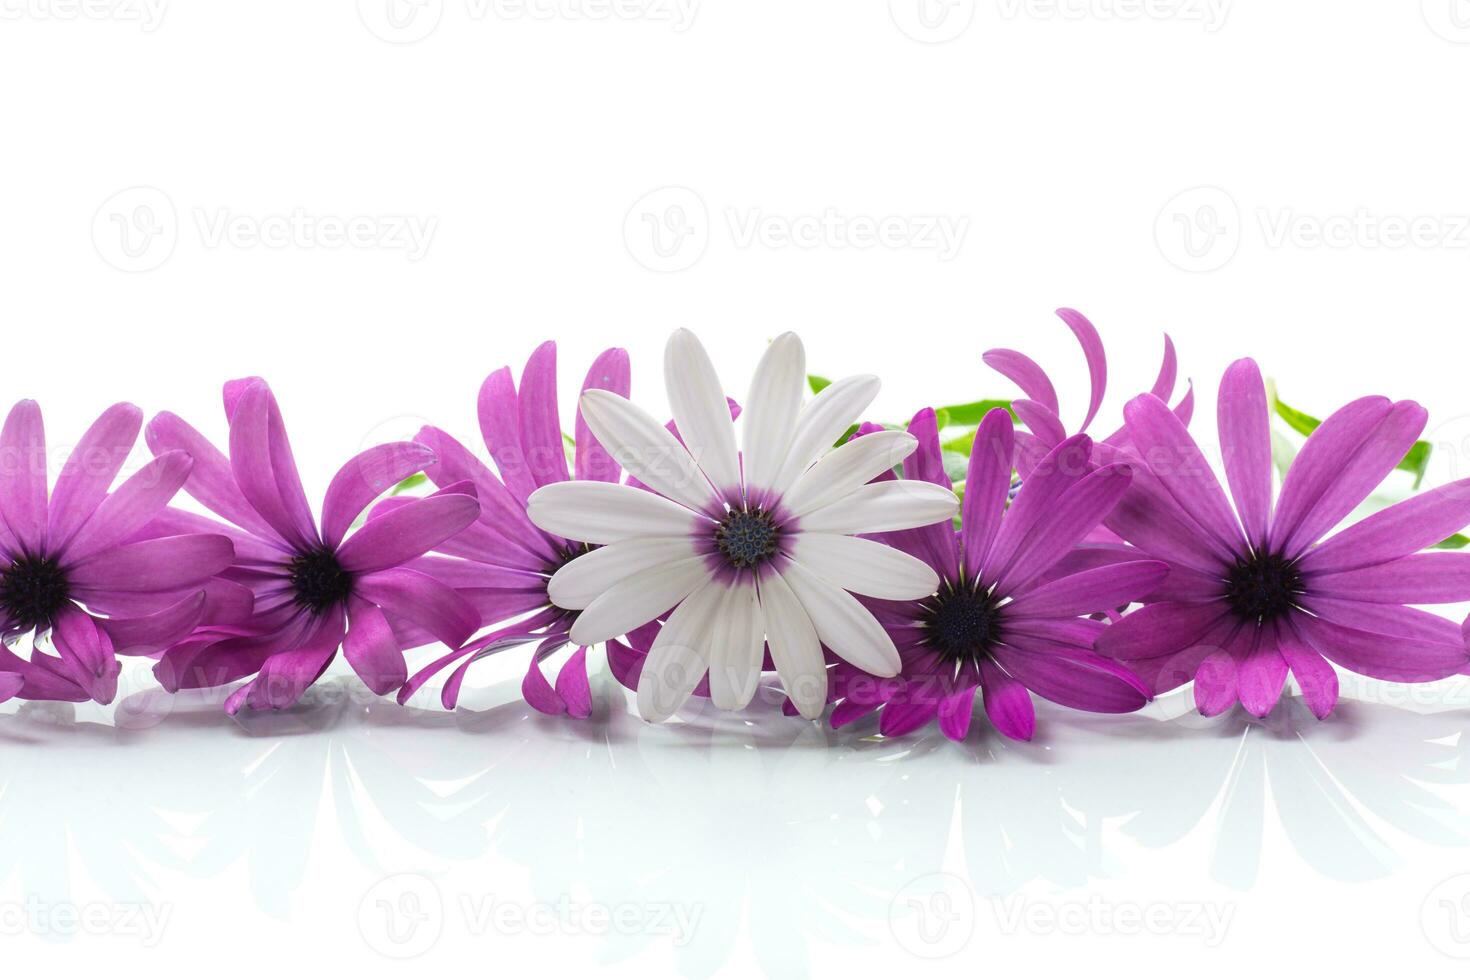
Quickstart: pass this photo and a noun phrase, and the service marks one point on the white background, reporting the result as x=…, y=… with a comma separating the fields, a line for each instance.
x=1278, y=180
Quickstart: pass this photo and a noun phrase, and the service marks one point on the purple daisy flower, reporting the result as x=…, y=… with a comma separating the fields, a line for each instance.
x=313, y=590
x=1254, y=592
x=72, y=565
x=1018, y=590
x=503, y=563
x=1040, y=410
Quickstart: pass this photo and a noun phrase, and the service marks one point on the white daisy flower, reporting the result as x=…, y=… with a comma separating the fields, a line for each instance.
x=751, y=547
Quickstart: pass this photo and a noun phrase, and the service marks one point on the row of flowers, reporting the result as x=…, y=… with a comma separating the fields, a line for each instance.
x=872, y=568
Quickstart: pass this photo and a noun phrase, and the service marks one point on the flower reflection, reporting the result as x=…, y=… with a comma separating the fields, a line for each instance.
x=780, y=836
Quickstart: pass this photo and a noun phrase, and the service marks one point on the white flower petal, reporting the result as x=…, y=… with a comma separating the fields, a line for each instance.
x=646, y=449
x=771, y=409
x=638, y=599
x=588, y=576
x=602, y=513
x=846, y=468
x=795, y=649
x=842, y=624
x=862, y=566
x=680, y=655
x=823, y=421
x=737, y=648
x=701, y=411
x=890, y=505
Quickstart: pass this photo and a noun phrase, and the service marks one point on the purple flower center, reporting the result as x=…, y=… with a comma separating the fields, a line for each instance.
x=32, y=591
x=961, y=623
x=1262, y=587
x=748, y=538
x=319, y=579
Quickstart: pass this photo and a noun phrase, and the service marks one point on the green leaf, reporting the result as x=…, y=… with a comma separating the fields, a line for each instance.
x=817, y=382
x=956, y=466
x=963, y=445
x=1454, y=542
x=970, y=413
x=1415, y=462
x=418, y=479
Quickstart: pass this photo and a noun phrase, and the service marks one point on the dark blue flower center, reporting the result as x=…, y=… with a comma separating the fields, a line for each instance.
x=319, y=579
x=32, y=591
x=1262, y=587
x=748, y=538
x=960, y=622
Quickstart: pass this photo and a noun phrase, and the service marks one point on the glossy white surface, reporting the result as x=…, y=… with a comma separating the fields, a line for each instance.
x=354, y=833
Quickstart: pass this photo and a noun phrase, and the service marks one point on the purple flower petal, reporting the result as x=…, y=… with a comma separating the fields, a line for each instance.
x=1314, y=675
x=1059, y=471
x=365, y=478
x=284, y=677
x=126, y=511
x=86, y=651
x=1027, y=375
x=1377, y=617
x=540, y=423
x=407, y=532
x=260, y=459
x=372, y=649
x=1245, y=440
x=1076, y=680
x=1097, y=362
x=1215, y=688
x=500, y=426
x=1348, y=479
x=1076, y=512
x=211, y=481
x=172, y=564
x=1149, y=518
x=1413, y=580
x=1092, y=591
x=610, y=372
x=423, y=600
x=955, y=712
x=1261, y=673
x=23, y=476
x=1172, y=456
x=1007, y=703
x=572, y=686
x=10, y=685
x=152, y=633
x=1159, y=629
x=1042, y=421
x=1388, y=658
x=501, y=513
x=1404, y=528
x=1319, y=465
x=89, y=471
x=987, y=487
x=538, y=692
x=912, y=712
